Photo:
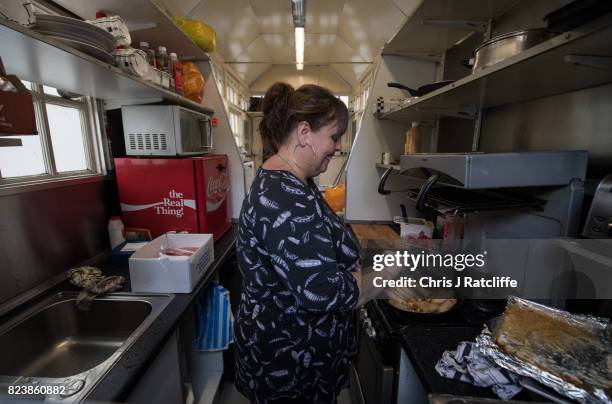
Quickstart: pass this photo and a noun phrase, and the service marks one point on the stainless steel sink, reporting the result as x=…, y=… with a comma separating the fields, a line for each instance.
x=55, y=343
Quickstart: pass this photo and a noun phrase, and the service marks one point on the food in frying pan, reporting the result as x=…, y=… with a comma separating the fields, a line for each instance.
x=431, y=306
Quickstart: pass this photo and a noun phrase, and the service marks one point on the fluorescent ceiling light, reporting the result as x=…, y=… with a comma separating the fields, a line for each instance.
x=299, y=47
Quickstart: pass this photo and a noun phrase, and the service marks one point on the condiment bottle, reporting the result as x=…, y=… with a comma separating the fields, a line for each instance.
x=151, y=59
x=177, y=73
x=162, y=59
x=413, y=139
x=115, y=231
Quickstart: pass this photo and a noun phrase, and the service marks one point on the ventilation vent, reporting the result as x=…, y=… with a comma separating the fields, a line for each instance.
x=147, y=142
x=132, y=141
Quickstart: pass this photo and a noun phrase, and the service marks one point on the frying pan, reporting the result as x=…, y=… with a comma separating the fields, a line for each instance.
x=417, y=315
x=421, y=91
x=422, y=293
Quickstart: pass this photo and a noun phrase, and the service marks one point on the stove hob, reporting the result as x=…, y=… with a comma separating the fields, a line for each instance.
x=470, y=313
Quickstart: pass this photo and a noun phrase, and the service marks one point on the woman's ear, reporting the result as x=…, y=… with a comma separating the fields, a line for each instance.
x=303, y=132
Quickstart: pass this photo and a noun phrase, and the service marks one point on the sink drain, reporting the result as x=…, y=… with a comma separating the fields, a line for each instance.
x=73, y=387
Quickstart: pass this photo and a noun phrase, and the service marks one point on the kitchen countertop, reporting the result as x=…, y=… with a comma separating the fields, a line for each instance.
x=374, y=232
x=117, y=383
x=425, y=345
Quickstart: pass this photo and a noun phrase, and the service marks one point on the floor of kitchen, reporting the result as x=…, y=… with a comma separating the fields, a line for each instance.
x=229, y=395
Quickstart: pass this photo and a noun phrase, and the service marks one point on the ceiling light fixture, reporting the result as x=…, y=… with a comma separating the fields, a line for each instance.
x=299, y=47
x=298, y=9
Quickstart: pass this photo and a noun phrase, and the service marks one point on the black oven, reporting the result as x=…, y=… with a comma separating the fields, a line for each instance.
x=374, y=372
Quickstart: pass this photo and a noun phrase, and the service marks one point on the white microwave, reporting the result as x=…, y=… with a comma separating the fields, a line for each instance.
x=165, y=130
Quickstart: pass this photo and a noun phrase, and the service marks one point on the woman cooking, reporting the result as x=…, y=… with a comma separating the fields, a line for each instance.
x=298, y=261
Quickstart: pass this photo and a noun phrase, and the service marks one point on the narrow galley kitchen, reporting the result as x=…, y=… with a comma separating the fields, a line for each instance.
x=305, y=201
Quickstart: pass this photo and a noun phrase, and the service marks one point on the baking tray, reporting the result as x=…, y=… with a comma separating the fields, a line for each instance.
x=583, y=392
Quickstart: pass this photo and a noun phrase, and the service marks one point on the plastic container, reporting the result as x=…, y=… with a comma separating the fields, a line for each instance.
x=153, y=271
x=177, y=73
x=414, y=227
x=413, y=139
x=115, y=231
x=151, y=59
x=162, y=59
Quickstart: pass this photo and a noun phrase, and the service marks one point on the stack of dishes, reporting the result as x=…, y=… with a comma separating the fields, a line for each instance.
x=87, y=38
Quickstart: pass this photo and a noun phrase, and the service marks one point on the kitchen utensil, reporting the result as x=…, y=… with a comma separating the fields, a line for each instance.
x=418, y=315
x=507, y=45
x=91, y=50
x=577, y=13
x=421, y=91
x=72, y=29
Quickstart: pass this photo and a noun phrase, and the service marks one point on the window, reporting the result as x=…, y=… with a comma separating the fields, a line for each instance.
x=67, y=144
x=236, y=125
x=218, y=76
x=344, y=99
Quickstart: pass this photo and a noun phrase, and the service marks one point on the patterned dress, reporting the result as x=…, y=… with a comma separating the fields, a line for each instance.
x=294, y=334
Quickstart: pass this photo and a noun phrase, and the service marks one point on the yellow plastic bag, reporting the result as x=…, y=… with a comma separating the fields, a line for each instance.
x=193, y=82
x=202, y=34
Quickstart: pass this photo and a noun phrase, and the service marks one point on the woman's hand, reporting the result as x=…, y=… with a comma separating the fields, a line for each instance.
x=365, y=280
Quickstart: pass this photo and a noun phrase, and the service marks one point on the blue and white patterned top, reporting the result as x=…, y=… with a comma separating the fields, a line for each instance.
x=294, y=334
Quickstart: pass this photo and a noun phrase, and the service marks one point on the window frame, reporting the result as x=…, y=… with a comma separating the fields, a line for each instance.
x=91, y=130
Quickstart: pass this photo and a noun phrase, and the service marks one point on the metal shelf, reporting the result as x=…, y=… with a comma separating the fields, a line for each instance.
x=437, y=25
x=38, y=58
x=395, y=167
x=146, y=20
x=550, y=68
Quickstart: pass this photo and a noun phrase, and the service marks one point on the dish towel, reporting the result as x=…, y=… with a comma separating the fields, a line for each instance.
x=469, y=365
x=214, y=319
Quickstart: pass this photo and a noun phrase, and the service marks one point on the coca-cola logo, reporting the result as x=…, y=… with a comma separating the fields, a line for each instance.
x=217, y=185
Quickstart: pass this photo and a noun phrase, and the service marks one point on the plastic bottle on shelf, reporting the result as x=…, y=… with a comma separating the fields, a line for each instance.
x=115, y=231
x=177, y=73
x=162, y=59
x=151, y=59
x=413, y=139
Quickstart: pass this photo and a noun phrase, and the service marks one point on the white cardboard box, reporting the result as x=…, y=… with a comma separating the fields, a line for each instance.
x=150, y=272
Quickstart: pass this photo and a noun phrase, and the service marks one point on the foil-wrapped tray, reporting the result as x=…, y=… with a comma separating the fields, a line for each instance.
x=569, y=353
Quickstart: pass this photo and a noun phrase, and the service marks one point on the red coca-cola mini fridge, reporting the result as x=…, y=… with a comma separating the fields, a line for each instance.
x=184, y=194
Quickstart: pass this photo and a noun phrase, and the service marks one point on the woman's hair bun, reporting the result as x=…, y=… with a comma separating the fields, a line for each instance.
x=275, y=108
x=279, y=95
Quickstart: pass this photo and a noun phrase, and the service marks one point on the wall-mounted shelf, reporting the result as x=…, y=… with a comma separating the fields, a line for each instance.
x=146, y=20
x=35, y=57
x=547, y=69
x=437, y=25
x=395, y=167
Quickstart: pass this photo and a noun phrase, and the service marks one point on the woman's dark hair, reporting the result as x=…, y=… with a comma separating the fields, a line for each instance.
x=283, y=108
